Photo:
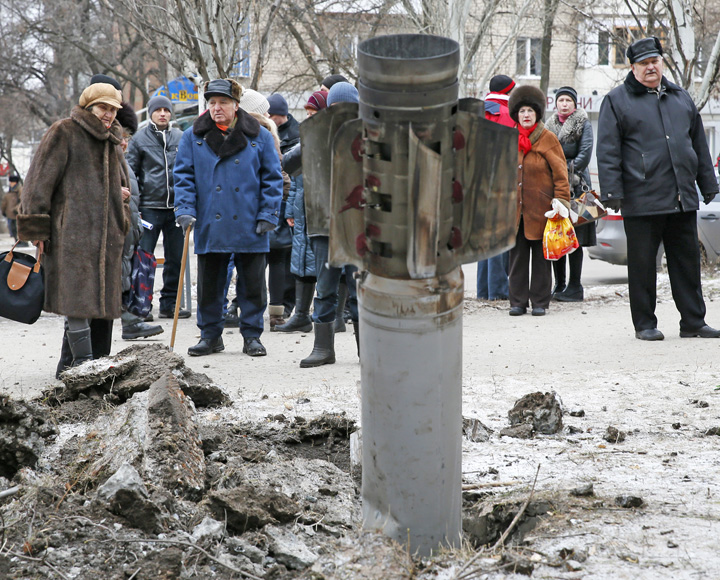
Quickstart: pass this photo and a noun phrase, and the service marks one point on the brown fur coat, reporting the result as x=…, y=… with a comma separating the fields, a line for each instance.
x=72, y=199
x=542, y=175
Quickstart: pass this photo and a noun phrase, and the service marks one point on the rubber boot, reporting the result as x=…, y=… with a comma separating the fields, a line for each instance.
x=323, y=352
x=276, y=313
x=559, y=271
x=66, y=356
x=80, y=345
x=340, y=310
x=574, y=291
x=300, y=321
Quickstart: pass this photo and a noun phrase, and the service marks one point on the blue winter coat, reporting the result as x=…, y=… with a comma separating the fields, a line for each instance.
x=302, y=258
x=228, y=184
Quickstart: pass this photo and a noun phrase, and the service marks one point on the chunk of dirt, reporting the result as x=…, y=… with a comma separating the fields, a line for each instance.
x=614, y=435
x=247, y=508
x=23, y=431
x=133, y=370
x=542, y=410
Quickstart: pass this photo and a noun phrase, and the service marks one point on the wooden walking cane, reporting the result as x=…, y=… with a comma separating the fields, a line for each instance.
x=180, y=286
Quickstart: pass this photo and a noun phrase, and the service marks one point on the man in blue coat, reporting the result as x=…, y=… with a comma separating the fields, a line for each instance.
x=228, y=185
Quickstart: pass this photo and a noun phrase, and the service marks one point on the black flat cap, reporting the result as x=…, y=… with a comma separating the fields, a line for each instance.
x=644, y=48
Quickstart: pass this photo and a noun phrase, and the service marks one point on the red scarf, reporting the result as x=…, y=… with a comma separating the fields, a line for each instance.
x=524, y=144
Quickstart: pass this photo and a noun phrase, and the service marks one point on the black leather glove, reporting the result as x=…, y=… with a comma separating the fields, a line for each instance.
x=708, y=197
x=264, y=227
x=183, y=221
x=613, y=204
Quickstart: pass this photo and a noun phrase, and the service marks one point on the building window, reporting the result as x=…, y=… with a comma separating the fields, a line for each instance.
x=529, y=57
x=242, y=67
x=603, y=47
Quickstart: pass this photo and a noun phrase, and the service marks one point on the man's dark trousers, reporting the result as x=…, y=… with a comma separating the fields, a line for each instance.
x=163, y=220
x=678, y=233
x=251, y=293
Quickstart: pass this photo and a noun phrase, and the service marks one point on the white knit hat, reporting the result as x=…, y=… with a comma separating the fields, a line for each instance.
x=253, y=102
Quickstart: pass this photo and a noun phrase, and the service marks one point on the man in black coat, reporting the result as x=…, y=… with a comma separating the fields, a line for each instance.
x=651, y=151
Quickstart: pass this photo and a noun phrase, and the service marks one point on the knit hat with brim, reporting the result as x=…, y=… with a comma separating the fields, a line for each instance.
x=100, y=93
x=342, y=93
x=527, y=96
x=317, y=101
x=253, y=102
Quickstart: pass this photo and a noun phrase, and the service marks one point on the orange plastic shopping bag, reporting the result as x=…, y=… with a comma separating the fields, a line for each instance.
x=559, y=238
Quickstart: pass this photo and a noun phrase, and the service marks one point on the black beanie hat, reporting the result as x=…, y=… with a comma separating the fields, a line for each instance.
x=105, y=79
x=502, y=84
x=569, y=91
x=329, y=81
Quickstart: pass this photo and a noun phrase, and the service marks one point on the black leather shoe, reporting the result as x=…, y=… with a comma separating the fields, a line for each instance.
x=171, y=313
x=253, y=347
x=649, y=334
x=207, y=346
x=538, y=311
x=517, y=311
x=141, y=330
x=702, y=332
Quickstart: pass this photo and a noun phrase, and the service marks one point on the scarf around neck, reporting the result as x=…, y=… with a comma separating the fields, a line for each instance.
x=524, y=143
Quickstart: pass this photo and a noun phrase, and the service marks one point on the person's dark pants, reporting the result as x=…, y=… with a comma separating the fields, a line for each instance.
x=281, y=283
x=12, y=228
x=678, y=233
x=163, y=220
x=250, y=289
x=328, y=283
x=524, y=289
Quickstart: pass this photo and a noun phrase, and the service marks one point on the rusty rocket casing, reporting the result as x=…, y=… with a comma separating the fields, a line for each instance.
x=420, y=183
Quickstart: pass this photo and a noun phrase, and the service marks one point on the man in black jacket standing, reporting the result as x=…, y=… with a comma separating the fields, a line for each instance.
x=151, y=155
x=651, y=151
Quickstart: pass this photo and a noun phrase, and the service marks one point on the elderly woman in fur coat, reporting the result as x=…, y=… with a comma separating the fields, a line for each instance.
x=542, y=177
x=75, y=208
x=574, y=131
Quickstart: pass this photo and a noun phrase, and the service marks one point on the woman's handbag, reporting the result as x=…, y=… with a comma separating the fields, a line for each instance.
x=586, y=208
x=138, y=300
x=22, y=286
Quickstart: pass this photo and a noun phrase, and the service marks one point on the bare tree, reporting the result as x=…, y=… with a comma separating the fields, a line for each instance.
x=689, y=29
x=202, y=38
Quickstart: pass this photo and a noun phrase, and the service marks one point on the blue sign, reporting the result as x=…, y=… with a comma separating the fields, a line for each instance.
x=179, y=90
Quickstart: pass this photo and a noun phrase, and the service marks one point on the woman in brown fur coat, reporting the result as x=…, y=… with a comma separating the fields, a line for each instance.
x=75, y=207
x=542, y=176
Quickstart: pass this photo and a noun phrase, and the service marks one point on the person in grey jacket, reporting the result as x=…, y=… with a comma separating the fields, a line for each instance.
x=651, y=152
x=151, y=155
x=574, y=131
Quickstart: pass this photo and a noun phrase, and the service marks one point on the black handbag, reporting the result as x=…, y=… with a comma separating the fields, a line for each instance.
x=22, y=286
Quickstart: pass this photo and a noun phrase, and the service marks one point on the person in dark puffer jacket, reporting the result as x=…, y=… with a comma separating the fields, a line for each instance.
x=151, y=155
